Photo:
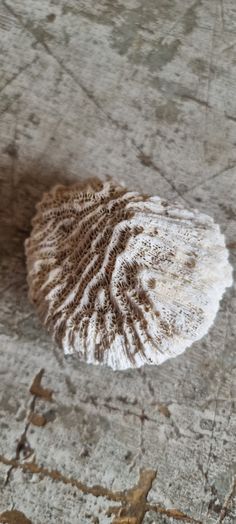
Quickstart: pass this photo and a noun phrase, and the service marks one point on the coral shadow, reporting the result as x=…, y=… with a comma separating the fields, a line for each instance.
x=19, y=193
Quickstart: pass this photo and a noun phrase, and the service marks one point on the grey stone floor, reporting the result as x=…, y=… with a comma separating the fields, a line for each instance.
x=144, y=91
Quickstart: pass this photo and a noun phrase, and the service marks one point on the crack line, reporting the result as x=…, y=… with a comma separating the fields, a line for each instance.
x=206, y=472
x=215, y=175
x=122, y=127
x=209, y=78
x=23, y=445
x=18, y=73
x=227, y=501
x=131, y=499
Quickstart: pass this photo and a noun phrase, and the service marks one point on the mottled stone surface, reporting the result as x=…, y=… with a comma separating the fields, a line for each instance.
x=144, y=91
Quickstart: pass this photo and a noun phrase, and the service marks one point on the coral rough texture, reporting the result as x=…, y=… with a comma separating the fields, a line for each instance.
x=124, y=279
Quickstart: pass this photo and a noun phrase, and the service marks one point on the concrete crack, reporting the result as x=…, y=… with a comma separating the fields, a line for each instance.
x=141, y=449
x=206, y=471
x=147, y=161
x=133, y=501
x=23, y=446
x=123, y=127
x=18, y=73
x=90, y=95
x=196, y=100
x=209, y=78
x=173, y=514
x=229, y=498
x=229, y=167
x=134, y=506
x=222, y=15
x=93, y=401
x=229, y=117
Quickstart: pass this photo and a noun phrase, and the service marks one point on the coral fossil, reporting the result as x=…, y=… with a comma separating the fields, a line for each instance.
x=121, y=278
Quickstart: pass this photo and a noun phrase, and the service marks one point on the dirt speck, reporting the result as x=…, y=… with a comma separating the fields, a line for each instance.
x=34, y=119
x=164, y=410
x=145, y=159
x=11, y=150
x=51, y=17
x=37, y=419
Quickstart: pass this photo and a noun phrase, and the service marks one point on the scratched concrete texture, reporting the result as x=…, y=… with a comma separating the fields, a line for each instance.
x=142, y=90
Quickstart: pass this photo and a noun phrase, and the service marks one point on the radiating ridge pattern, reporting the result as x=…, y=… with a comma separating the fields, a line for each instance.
x=121, y=278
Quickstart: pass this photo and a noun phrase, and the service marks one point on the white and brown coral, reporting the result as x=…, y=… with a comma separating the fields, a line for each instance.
x=121, y=278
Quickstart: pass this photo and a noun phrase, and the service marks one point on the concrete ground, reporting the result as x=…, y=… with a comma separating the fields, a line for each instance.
x=144, y=91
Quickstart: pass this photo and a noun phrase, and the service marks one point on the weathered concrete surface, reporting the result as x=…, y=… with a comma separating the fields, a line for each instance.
x=144, y=91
